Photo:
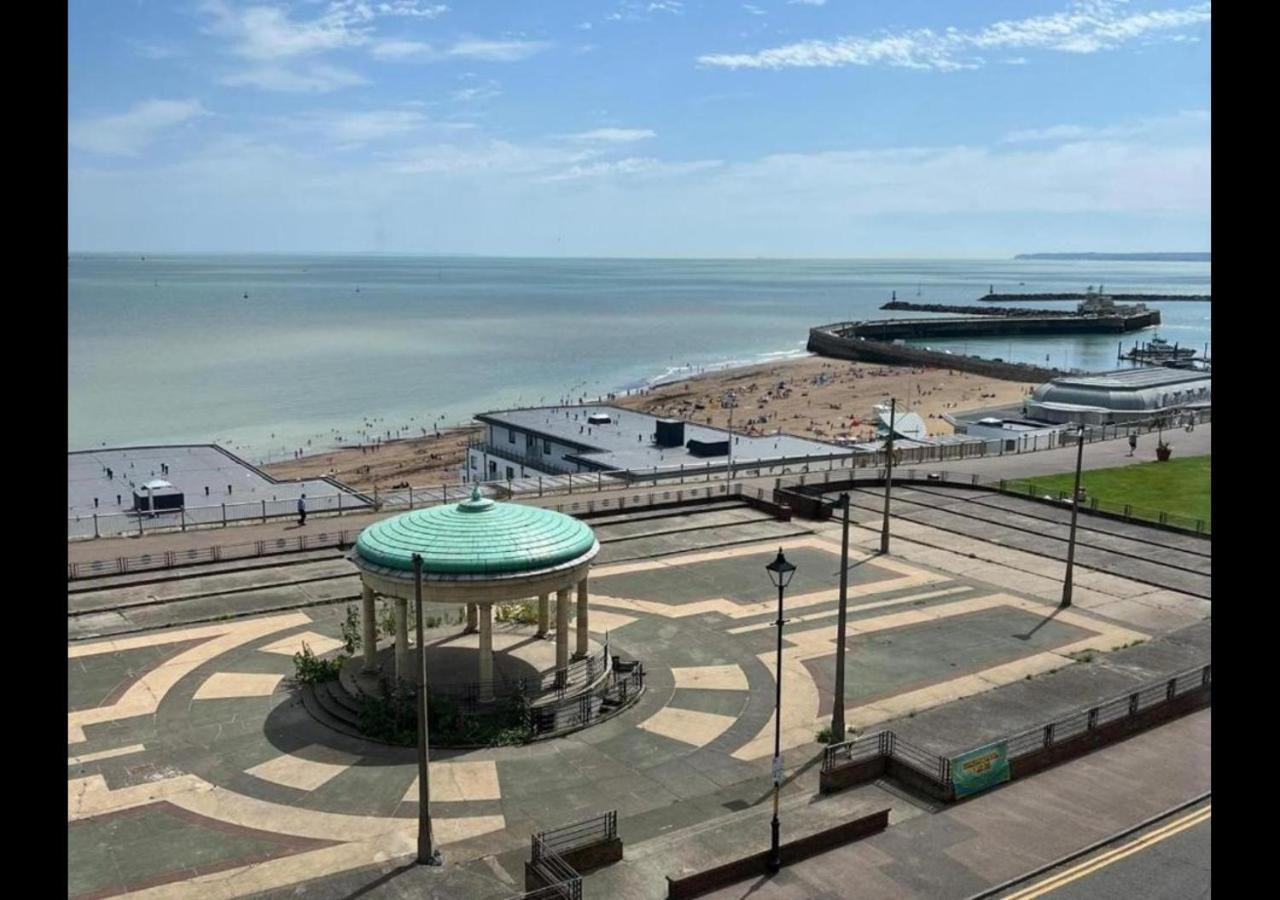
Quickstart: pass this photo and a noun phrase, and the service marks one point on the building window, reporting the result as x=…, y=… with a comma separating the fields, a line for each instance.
x=510, y=473
x=528, y=441
x=511, y=436
x=493, y=467
x=546, y=446
x=473, y=463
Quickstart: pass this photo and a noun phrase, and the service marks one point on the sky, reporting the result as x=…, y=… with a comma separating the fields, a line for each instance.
x=639, y=128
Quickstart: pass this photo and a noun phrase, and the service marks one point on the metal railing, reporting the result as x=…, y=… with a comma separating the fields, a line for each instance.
x=410, y=497
x=1030, y=488
x=168, y=559
x=886, y=744
x=603, y=827
x=562, y=880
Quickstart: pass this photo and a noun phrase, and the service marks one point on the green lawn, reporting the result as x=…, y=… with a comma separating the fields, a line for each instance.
x=1178, y=487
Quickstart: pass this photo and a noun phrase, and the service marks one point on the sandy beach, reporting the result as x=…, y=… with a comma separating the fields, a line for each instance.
x=812, y=396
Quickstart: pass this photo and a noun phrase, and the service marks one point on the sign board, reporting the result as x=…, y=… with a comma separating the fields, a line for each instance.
x=777, y=770
x=980, y=769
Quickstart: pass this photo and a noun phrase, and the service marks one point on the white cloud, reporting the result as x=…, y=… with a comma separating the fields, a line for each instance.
x=469, y=48
x=156, y=49
x=496, y=51
x=1187, y=124
x=754, y=10
x=400, y=50
x=128, y=133
x=476, y=93
x=268, y=34
x=612, y=135
x=806, y=2
x=353, y=129
x=634, y=166
x=413, y=9
x=583, y=26
x=1087, y=26
x=315, y=79
x=488, y=157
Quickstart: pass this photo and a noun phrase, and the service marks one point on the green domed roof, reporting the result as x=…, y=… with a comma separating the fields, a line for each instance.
x=476, y=537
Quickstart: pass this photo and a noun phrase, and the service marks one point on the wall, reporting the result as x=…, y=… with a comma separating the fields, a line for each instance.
x=823, y=340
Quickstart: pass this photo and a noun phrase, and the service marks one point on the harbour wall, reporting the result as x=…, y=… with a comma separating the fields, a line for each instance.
x=1000, y=326
x=830, y=340
x=1118, y=298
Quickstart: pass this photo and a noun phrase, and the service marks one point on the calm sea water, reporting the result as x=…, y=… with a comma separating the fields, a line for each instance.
x=169, y=349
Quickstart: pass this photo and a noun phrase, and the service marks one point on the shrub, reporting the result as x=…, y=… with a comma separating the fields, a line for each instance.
x=311, y=669
x=351, y=637
x=525, y=613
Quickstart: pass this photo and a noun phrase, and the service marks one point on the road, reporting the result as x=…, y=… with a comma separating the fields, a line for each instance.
x=1169, y=859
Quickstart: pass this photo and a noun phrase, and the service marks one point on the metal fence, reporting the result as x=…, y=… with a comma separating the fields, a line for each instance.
x=887, y=745
x=562, y=881
x=603, y=827
x=168, y=559
x=1031, y=488
x=410, y=497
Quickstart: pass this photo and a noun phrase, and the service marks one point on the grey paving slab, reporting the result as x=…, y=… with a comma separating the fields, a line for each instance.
x=686, y=542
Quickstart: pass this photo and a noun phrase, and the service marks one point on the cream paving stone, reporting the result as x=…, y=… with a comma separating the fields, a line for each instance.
x=861, y=607
x=144, y=695
x=602, y=621
x=105, y=754
x=711, y=678
x=226, y=685
x=800, y=718
x=687, y=726
x=458, y=782
x=305, y=770
x=320, y=644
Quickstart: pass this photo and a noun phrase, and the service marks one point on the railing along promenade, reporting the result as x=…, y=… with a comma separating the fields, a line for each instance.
x=1026, y=750
x=340, y=504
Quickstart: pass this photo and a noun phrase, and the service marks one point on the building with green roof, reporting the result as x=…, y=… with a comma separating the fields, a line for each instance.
x=478, y=553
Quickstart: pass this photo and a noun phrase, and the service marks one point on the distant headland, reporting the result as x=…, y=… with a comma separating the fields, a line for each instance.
x=1128, y=257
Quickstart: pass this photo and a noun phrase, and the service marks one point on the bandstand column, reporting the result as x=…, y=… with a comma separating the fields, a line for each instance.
x=544, y=615
x=486, y=651
x=369, y=618
x=402, y=638
x=583, y=647
x=562, y=629
x=471, y=618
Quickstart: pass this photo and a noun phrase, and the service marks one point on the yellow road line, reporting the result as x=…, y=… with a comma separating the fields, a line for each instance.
x=1098, y=862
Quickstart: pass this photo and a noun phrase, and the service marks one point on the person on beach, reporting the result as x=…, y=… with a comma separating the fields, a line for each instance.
x=302, y=510
x=1133, y=443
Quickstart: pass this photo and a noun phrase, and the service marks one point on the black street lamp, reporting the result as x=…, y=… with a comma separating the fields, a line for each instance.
x=1075, y=508
x=427, y=854
x=780, y=572
x=888, y=474
x=837, y=708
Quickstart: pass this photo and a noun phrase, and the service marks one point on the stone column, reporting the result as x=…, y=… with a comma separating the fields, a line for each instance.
x=562, y=631
x=402, y=638
x=544, y=615
x=471, y=618
x=583, y=646
x=486, y=652
x=369, y=618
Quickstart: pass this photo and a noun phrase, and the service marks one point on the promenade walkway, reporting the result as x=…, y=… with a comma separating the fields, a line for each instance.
x=1100, y=455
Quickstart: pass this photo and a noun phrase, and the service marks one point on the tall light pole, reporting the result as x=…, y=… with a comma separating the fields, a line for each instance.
x=780, y=572
x=837, y=708
x=1075, y=508
x=888, y=475
x=427, y=854
x=732, y=402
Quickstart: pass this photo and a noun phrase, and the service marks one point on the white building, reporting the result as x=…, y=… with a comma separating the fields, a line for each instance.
x=559, y=440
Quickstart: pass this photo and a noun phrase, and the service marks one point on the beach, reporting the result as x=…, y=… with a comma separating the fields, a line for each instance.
x=811, y=396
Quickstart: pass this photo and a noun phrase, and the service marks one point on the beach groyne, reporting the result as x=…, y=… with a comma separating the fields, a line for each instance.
x=837, y=341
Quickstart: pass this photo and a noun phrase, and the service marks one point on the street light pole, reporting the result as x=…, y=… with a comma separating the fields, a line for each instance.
x=888, y=475
x=1075, y=508
x=837, y=707
x=427, y=854
x=780, y=572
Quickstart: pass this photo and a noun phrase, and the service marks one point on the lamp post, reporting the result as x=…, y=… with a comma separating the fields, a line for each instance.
x=1075, y=508
x=888, y=475
x=780, y=572
x=837, y=707
x=427, y=854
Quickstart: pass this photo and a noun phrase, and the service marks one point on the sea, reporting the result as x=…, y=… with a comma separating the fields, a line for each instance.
x=267, y=355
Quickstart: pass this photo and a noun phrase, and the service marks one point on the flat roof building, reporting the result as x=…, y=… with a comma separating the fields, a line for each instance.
x=558, y=440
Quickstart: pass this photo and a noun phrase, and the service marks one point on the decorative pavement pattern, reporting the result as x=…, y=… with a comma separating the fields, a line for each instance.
x=193, y=767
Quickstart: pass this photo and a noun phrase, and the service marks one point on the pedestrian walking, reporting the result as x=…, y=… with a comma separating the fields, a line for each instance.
x=302, y=510
x=1133, y=443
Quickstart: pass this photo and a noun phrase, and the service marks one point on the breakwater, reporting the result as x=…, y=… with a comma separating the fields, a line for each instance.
x=838, y=341
x=1118, y=298
x=1002, y=326
x=972, y=310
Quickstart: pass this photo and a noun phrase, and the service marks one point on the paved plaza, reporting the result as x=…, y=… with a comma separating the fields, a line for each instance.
x=195, y=769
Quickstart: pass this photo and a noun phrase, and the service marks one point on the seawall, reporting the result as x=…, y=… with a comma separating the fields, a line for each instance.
x=829, y=340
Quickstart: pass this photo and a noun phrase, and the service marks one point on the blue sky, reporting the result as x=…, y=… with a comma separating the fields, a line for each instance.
x=796, y=128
